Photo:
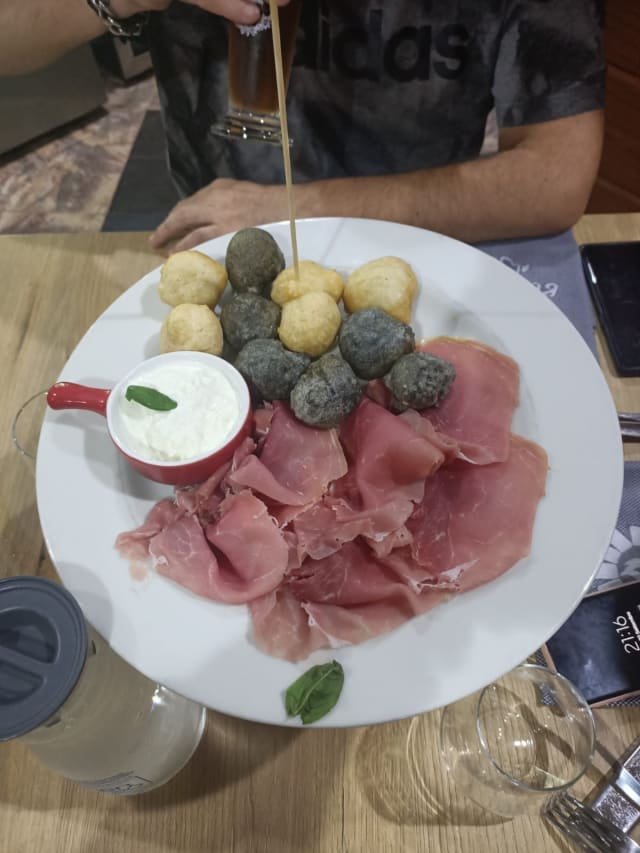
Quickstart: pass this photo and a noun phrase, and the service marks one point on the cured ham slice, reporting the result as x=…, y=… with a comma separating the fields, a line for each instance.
x=396, y=539
x=390, y=459
x=448, y=446
x=240, y=557
x=262, y=419
x=134, y=544
x=475, y=522
x=281, y=627
x=203, y=500
x=319, y=533
x=326, y=526
x=351, y=625
x=296, y=462
x=377, y=391
x=348, y=598
x=351, y=597
x=254, y=474
x=478, y=410
x=349, y=576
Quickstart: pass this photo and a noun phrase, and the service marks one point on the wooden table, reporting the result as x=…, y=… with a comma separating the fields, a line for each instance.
x=249, y=787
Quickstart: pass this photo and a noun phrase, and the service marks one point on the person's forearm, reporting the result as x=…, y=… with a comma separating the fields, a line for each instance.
x=511, y=194
x=34, y=33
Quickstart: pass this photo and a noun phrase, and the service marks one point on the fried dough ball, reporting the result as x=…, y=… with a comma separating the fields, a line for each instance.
x=310, y=323
x=191, y=327
x=192, y=277
x=270, y=370
x=388, y=283
x=326, y=392
x=313, y=277
x=247, y=316
x=419, y=380
x=253, y=260
x=371, y=341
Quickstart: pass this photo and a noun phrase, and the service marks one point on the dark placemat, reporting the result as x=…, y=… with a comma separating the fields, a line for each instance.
x=554, y=266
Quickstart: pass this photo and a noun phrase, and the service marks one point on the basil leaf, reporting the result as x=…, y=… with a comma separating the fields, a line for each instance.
x=150, y=398
x=315, y=693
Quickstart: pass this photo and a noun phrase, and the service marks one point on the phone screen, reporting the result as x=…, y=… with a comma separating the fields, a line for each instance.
x=598, y=647
x=612, y=271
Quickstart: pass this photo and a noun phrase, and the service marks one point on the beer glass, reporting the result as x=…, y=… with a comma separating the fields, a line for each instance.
x=252, y=112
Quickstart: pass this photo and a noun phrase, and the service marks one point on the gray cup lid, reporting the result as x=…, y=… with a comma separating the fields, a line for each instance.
x=43, y=646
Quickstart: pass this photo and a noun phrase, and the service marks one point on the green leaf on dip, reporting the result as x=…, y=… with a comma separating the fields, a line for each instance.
x=315, y=693
x=150, y=398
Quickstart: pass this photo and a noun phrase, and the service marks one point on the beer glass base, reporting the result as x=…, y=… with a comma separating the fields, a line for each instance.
x=253, y=127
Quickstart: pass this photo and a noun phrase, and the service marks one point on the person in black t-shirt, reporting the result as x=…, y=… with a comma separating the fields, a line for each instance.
x=387, y=105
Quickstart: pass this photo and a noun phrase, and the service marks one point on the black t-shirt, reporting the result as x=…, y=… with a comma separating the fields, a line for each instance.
x=379, y=88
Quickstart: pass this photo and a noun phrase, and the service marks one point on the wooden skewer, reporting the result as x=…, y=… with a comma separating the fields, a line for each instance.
x=284, y=129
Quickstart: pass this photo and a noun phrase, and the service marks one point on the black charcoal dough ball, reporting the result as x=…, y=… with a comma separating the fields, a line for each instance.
x=271, y=371
x=326, y=392
x=419, y=381
x=253, y=260
x=372, y=340
x=247, y=316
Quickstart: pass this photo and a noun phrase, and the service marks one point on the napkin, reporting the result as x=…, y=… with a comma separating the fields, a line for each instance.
x=554, y=266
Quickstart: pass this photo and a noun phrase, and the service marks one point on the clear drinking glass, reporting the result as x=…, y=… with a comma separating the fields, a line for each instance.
x=118, y=732
x=513, y=744
x=26, y=426
x=252, y=113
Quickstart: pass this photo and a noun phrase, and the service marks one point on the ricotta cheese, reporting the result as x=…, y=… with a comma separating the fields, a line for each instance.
x=205, y=415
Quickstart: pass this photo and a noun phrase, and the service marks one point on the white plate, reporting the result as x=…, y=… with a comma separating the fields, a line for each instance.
x=87, y=495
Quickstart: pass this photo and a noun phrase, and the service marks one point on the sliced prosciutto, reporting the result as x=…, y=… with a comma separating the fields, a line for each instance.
x=475, y=522
x=326, y=526
x=296, y=462
x=351, y=625
x=390, y=459
x=281, y=627
x=346, y=599
x=447, y=445
x=349, y=576
x=478, y=410
x=351, y=596
x=236, y=559
x=134, y=544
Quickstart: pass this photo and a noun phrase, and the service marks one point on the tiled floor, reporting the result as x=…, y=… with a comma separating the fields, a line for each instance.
x=66, y=180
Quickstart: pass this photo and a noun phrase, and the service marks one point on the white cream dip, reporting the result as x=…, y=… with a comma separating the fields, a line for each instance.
x=206, y=412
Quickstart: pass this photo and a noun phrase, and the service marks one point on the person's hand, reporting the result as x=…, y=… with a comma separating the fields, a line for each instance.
x=244, y=12
x=219, y=208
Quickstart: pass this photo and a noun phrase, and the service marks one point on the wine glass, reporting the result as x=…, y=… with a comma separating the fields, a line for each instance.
x=515, y=743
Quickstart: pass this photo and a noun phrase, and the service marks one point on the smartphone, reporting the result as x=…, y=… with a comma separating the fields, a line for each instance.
x=598, y=647
x=612, y=271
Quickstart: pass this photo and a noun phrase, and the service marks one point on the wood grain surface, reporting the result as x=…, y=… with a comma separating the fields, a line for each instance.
x=249, y=787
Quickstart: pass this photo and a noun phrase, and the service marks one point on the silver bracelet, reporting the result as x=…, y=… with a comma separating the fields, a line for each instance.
x=130, y=28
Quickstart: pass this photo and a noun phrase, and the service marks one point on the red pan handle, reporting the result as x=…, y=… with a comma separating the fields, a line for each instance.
x=69, y=395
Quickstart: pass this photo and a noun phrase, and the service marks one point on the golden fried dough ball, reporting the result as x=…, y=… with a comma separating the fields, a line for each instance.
x=313, y=277
x=388, y=283
x=191, y=327
x=310, y=323
x=192, y=277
